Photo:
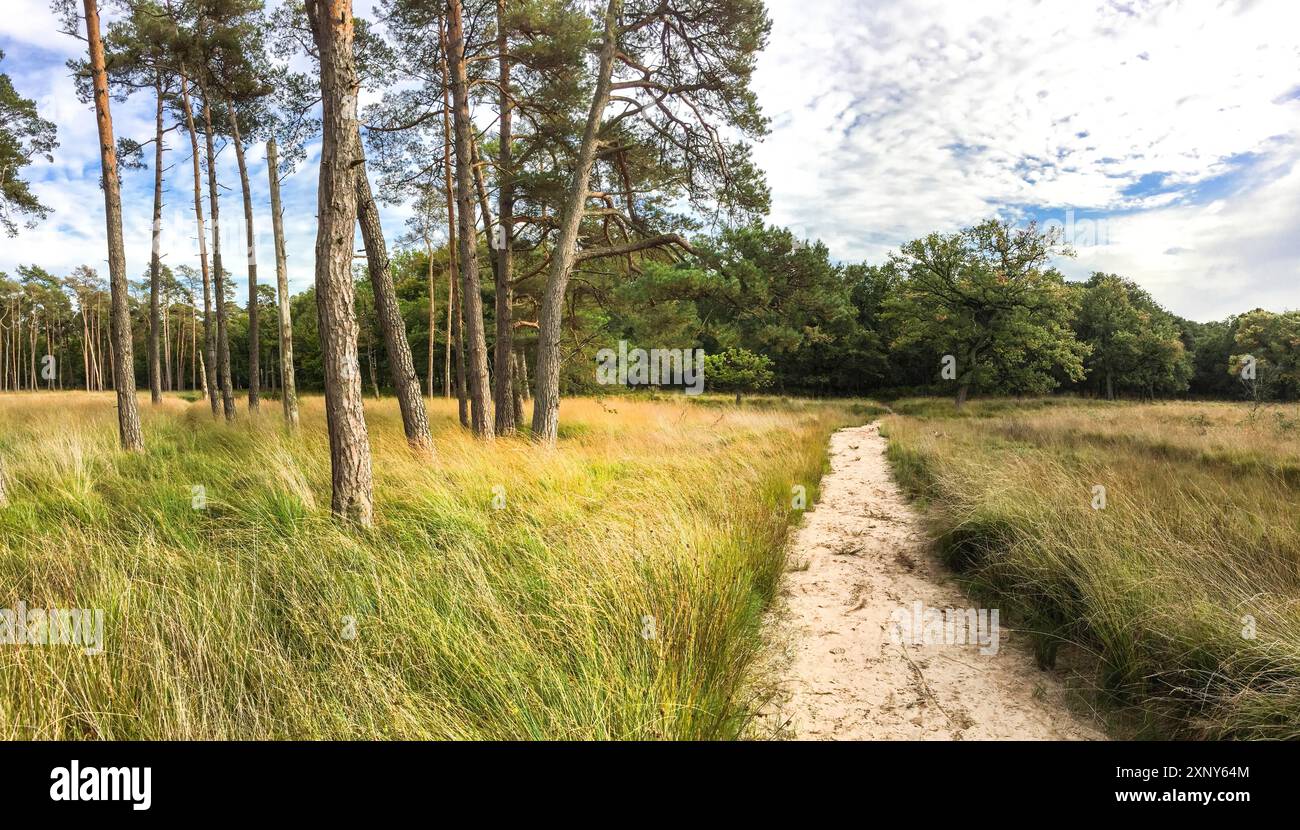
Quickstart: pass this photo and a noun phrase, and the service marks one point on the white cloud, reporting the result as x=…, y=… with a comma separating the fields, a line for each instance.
x=890, y=119
x=894, y=119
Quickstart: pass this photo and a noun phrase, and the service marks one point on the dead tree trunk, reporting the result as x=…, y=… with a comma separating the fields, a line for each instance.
x=128, y=413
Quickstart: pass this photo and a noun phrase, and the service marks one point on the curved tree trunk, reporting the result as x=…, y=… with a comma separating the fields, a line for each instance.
x=471, y=298
x=336, y=206
x=415, y=421
x=288, y=388
x=254, y=327
x=546, y=402
x=128, y=413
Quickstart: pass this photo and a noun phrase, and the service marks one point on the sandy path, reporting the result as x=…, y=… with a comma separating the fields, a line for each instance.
x=860, y=557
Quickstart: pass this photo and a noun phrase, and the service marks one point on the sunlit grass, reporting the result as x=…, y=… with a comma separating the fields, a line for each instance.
x=1200, y=534
x=471, y=621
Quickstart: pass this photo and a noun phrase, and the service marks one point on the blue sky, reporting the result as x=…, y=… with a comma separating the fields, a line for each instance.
x=1164, y=137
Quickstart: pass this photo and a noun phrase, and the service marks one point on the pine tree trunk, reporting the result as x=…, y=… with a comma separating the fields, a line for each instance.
x=254, y=328
x=289, y=389
x=517, y=388
x=503, y=390
x=453, y=326
x=433, y=317
x=415, y=421
x=332, y=28
x=155, y=257
x=471, y=299
x=128, y=414
x=224, y=381
x=462, y=403
x=209, y=331
x=546, y=405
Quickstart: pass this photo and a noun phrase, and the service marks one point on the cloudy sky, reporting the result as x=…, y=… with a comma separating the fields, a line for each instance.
x=1163, y=137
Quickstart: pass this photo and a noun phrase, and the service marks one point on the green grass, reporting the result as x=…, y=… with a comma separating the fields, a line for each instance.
x=1201, y=530
x=471, y=622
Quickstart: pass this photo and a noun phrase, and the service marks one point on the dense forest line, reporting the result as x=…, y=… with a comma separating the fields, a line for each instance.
x=819, y=327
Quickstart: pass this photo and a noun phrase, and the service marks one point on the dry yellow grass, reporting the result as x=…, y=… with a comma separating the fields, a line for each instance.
x=1185, y=586
x=470, y=621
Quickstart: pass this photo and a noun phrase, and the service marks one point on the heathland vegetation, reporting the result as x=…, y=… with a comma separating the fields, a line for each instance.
x=1157, y=545
x=417, y=544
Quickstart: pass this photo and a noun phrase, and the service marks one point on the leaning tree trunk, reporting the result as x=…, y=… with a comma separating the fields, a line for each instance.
x=155, y=256
x=415, y=421
x=254, y=329
x=471, y=298
x=209, y=332
x=128, y=413
x=503, y=388
x=336, y=207
x=546, y=403
x=288, y=388
x=218, y=275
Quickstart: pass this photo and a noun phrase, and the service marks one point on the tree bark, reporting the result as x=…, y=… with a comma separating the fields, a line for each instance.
x=546, y=403
x=288, y=387
x=218, y=273
x=517, y=388
x=128, y=413
x=155, y=256
x=209, y=332
x=254, y=327
x=415, y=421
x=353, y=489
x=471, y=297
x=457, y=323
x=433, y=318
x=503, y=389
x=453, y=317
